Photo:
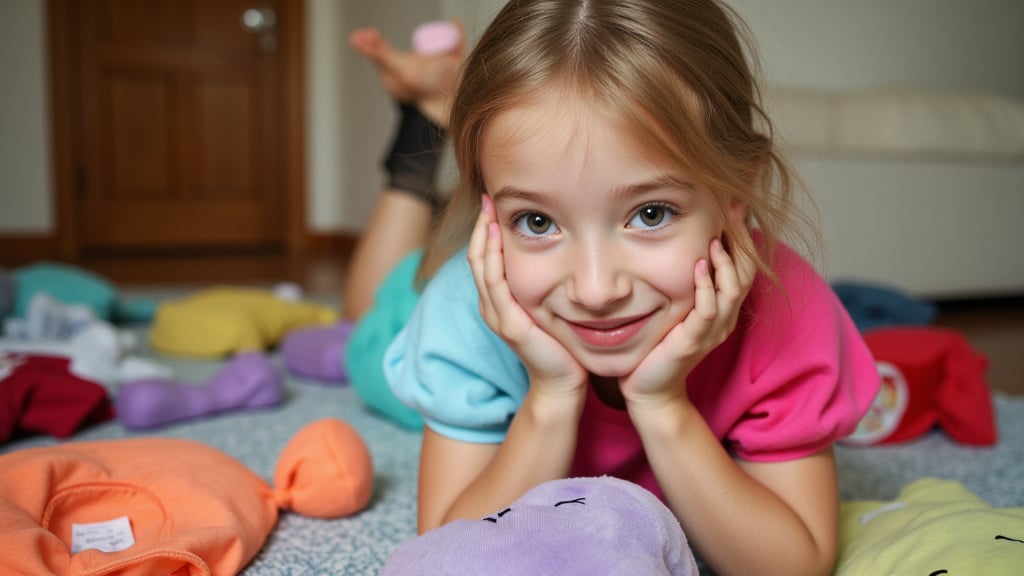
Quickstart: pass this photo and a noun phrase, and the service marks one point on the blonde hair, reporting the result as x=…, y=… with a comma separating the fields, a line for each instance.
x=674, y=71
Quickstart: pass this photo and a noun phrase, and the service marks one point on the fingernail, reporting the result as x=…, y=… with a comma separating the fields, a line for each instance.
x=485, y=203
x=716, y=244
x=702, y=267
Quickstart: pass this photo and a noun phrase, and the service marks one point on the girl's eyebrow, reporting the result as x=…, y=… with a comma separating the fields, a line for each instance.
x=660, y=183
x=506, y=193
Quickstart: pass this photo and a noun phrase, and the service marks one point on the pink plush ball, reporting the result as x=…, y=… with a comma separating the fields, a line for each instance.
x=436, y=37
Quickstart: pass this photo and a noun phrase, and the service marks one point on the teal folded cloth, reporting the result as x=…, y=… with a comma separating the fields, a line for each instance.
x=73, y=285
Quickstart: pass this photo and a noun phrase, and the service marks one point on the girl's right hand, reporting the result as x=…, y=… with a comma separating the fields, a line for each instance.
x=548, y=363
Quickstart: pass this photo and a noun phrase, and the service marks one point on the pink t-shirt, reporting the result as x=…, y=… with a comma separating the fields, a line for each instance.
x=794, y=377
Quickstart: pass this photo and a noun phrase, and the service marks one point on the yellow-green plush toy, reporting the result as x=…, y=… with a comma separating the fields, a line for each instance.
x=222, y=321
x=935, y=527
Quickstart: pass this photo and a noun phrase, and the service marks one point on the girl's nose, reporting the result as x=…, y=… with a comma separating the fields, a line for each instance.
x=598, y=278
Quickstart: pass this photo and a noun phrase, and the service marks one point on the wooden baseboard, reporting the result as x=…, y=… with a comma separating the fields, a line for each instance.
x=330, y=243
x=20, y=249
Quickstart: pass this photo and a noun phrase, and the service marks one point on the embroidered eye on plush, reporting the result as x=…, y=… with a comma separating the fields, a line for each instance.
x=494, y=518
x=998, y=537
x=581, y=500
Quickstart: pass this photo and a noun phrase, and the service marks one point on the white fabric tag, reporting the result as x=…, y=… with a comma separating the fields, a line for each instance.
x=110, y=536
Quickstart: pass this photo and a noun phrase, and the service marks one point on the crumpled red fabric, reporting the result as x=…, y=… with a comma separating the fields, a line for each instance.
x=931, y=377
x=40, y=395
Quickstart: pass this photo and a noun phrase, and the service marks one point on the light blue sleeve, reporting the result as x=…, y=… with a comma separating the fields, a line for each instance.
x=450, y=367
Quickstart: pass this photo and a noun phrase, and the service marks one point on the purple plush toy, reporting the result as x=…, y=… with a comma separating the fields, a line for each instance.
x=576, y=526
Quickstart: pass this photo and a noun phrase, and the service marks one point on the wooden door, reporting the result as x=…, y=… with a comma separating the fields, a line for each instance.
x=180, y=124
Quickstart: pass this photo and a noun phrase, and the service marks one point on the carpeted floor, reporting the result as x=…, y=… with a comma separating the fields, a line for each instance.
x=360, y=544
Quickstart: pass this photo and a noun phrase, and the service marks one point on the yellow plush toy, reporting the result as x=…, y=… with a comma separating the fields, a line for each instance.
x=221, y=321
x=934, y=527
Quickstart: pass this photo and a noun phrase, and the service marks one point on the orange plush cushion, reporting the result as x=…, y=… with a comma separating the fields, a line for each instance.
x=191, y=509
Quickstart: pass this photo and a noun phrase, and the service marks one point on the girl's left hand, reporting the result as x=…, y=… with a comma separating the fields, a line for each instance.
x=661, y=376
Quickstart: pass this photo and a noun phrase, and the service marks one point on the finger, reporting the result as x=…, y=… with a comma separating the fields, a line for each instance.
x=705, y=293
x=727, y=280
x=476, y=255
x=494, y=269
x=509, y=318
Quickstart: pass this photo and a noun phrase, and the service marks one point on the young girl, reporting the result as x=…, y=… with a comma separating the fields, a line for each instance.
x=625, y=305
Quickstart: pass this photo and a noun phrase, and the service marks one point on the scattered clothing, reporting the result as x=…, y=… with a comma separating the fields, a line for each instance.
x=247, y=381
x=72, y=285
x=48, y=319
x=223, y=321
x=930, y=377
x=318, y=353
x=874, y=306
x=40, y=395
x=97, y=353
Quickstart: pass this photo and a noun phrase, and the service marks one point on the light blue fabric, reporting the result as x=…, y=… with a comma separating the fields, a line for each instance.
x=448, y=365
x=393, y=303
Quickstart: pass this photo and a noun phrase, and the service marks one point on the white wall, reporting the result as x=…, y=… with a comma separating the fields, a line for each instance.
x=843, y=44
x=25, y=175
x=350, y=118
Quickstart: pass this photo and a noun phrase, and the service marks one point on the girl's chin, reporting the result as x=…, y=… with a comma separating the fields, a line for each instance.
x=609, y=367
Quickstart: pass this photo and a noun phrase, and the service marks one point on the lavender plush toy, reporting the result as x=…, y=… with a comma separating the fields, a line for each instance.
x=576, y=526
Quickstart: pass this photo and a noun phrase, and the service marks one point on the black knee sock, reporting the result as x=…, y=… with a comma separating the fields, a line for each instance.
x=415, y=153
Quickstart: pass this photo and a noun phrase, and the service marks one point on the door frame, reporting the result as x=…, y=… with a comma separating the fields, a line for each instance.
x=66, y=146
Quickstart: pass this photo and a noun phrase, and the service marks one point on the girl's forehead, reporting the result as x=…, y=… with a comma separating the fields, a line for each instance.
x=558, y=115
x=558, y=125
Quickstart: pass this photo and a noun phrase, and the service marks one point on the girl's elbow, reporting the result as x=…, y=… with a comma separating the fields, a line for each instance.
x=822, y=560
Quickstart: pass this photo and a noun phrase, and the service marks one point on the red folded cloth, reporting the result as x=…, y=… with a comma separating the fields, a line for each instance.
x=930, y=377
x=39, y=395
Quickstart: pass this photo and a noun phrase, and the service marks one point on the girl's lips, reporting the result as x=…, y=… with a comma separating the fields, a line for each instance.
x=609, y=333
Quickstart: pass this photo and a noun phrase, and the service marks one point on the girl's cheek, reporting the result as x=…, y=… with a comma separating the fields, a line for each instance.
x=524, y=278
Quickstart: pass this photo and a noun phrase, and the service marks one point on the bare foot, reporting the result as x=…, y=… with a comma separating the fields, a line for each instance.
x=426, y=80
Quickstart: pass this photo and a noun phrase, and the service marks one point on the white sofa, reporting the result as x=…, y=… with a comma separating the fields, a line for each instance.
x=919, y=189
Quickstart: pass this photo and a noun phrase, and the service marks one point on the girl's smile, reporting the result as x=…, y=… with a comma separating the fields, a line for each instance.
x=599, y=237
x=611, y=333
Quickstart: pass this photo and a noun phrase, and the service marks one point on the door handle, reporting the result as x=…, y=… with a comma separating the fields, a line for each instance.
x=262, y=21
x=259, y=20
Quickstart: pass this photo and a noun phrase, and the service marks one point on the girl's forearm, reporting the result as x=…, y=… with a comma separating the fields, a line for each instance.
x=736, y=523
x=539, y=447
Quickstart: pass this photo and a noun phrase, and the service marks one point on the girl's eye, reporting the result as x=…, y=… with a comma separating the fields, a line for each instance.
x=534, y=224
x=652, y=216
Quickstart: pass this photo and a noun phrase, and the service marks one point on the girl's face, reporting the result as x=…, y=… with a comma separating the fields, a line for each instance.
x=600, y=238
